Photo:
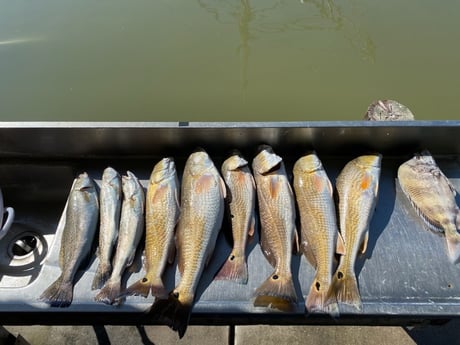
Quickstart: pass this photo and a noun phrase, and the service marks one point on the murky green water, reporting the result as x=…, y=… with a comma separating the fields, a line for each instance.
x=260, y=60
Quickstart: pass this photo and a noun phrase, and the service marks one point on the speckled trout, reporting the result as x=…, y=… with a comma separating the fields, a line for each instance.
x=357, y=186
x=81, y=216
x=433, y=197
x=110, y=200
x=130, y=233
x=161, y=215
x=241, y=199
x=202, y=209
x=278, y=231
x=319, y=231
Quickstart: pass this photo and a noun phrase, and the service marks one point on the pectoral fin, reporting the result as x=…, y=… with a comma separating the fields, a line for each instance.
x=340, y=249
x=364, y=243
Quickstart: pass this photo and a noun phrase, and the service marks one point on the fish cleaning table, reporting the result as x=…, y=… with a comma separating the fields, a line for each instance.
x=404, y=277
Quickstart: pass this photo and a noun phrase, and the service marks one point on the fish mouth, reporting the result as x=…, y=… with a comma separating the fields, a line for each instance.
x=264, y=147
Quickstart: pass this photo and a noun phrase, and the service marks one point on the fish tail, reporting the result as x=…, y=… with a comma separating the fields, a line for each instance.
x=102, y=275
x=345, y=287
x=235, y=269
x=320, y=299
x=59, y=294
x=453, y=244
x=276, y=292
x=172, y=312
x=109, y=293
x=140, y=288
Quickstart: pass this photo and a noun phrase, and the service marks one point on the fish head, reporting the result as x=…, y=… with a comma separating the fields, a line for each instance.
x=308, y=164
x=83, y=183
x=369, y=161
x=130, y=184
x=163, y=170
x=234, y=162
x=110, y=174
x=266, y=160
x=424, y=157
x=199, y=162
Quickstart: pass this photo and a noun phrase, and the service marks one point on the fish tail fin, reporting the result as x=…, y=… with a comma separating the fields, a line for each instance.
x=453, y=244
x=172, y=312
x=109, y=293
x=58, y=294
x=276, y=292
x=140, y=288
x=345, y=287
x=320, y=299
x=235, y=269
x=102, y=275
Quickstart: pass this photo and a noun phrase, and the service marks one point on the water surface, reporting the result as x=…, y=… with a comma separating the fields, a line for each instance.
x=247, y=60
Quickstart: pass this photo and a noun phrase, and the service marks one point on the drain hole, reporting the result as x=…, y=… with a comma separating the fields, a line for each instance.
x=24, y=245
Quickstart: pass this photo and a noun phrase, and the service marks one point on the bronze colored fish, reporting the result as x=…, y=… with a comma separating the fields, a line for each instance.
x=110, y=200
x=278, y=231
x=433, y=197
x=81, y=216
x=319, y=231
x=357, y=186
x=241, y=200
x=130, y=233
x=202, y=209
x=161, y=215
x=388, y=110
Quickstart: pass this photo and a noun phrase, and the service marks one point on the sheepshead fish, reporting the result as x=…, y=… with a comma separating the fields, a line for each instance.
x=357, y=186
x=278, y=231
x=202, y=209
x=241, y=200
x=81, y=217
x=319, y=231
x=388, y=110
x=433, y=197
x=110, y=200
x=161, y=215
x=130, y=233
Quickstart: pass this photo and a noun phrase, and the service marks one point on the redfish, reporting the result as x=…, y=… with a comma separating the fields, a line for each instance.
x=357, y=186
x=278, y=231
x=202, y=209
x=241, y=200
x=319, y=231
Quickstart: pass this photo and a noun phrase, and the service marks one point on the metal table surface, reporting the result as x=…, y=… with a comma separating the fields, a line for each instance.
x=404, y=277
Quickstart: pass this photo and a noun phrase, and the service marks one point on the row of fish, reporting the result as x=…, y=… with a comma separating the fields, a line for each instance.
x=199, y=217
x=195, y=221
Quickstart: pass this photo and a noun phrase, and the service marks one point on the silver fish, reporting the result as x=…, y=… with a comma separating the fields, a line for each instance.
x=130, y=233
x=202, y=209
x=110, y=200
x=81, y=216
